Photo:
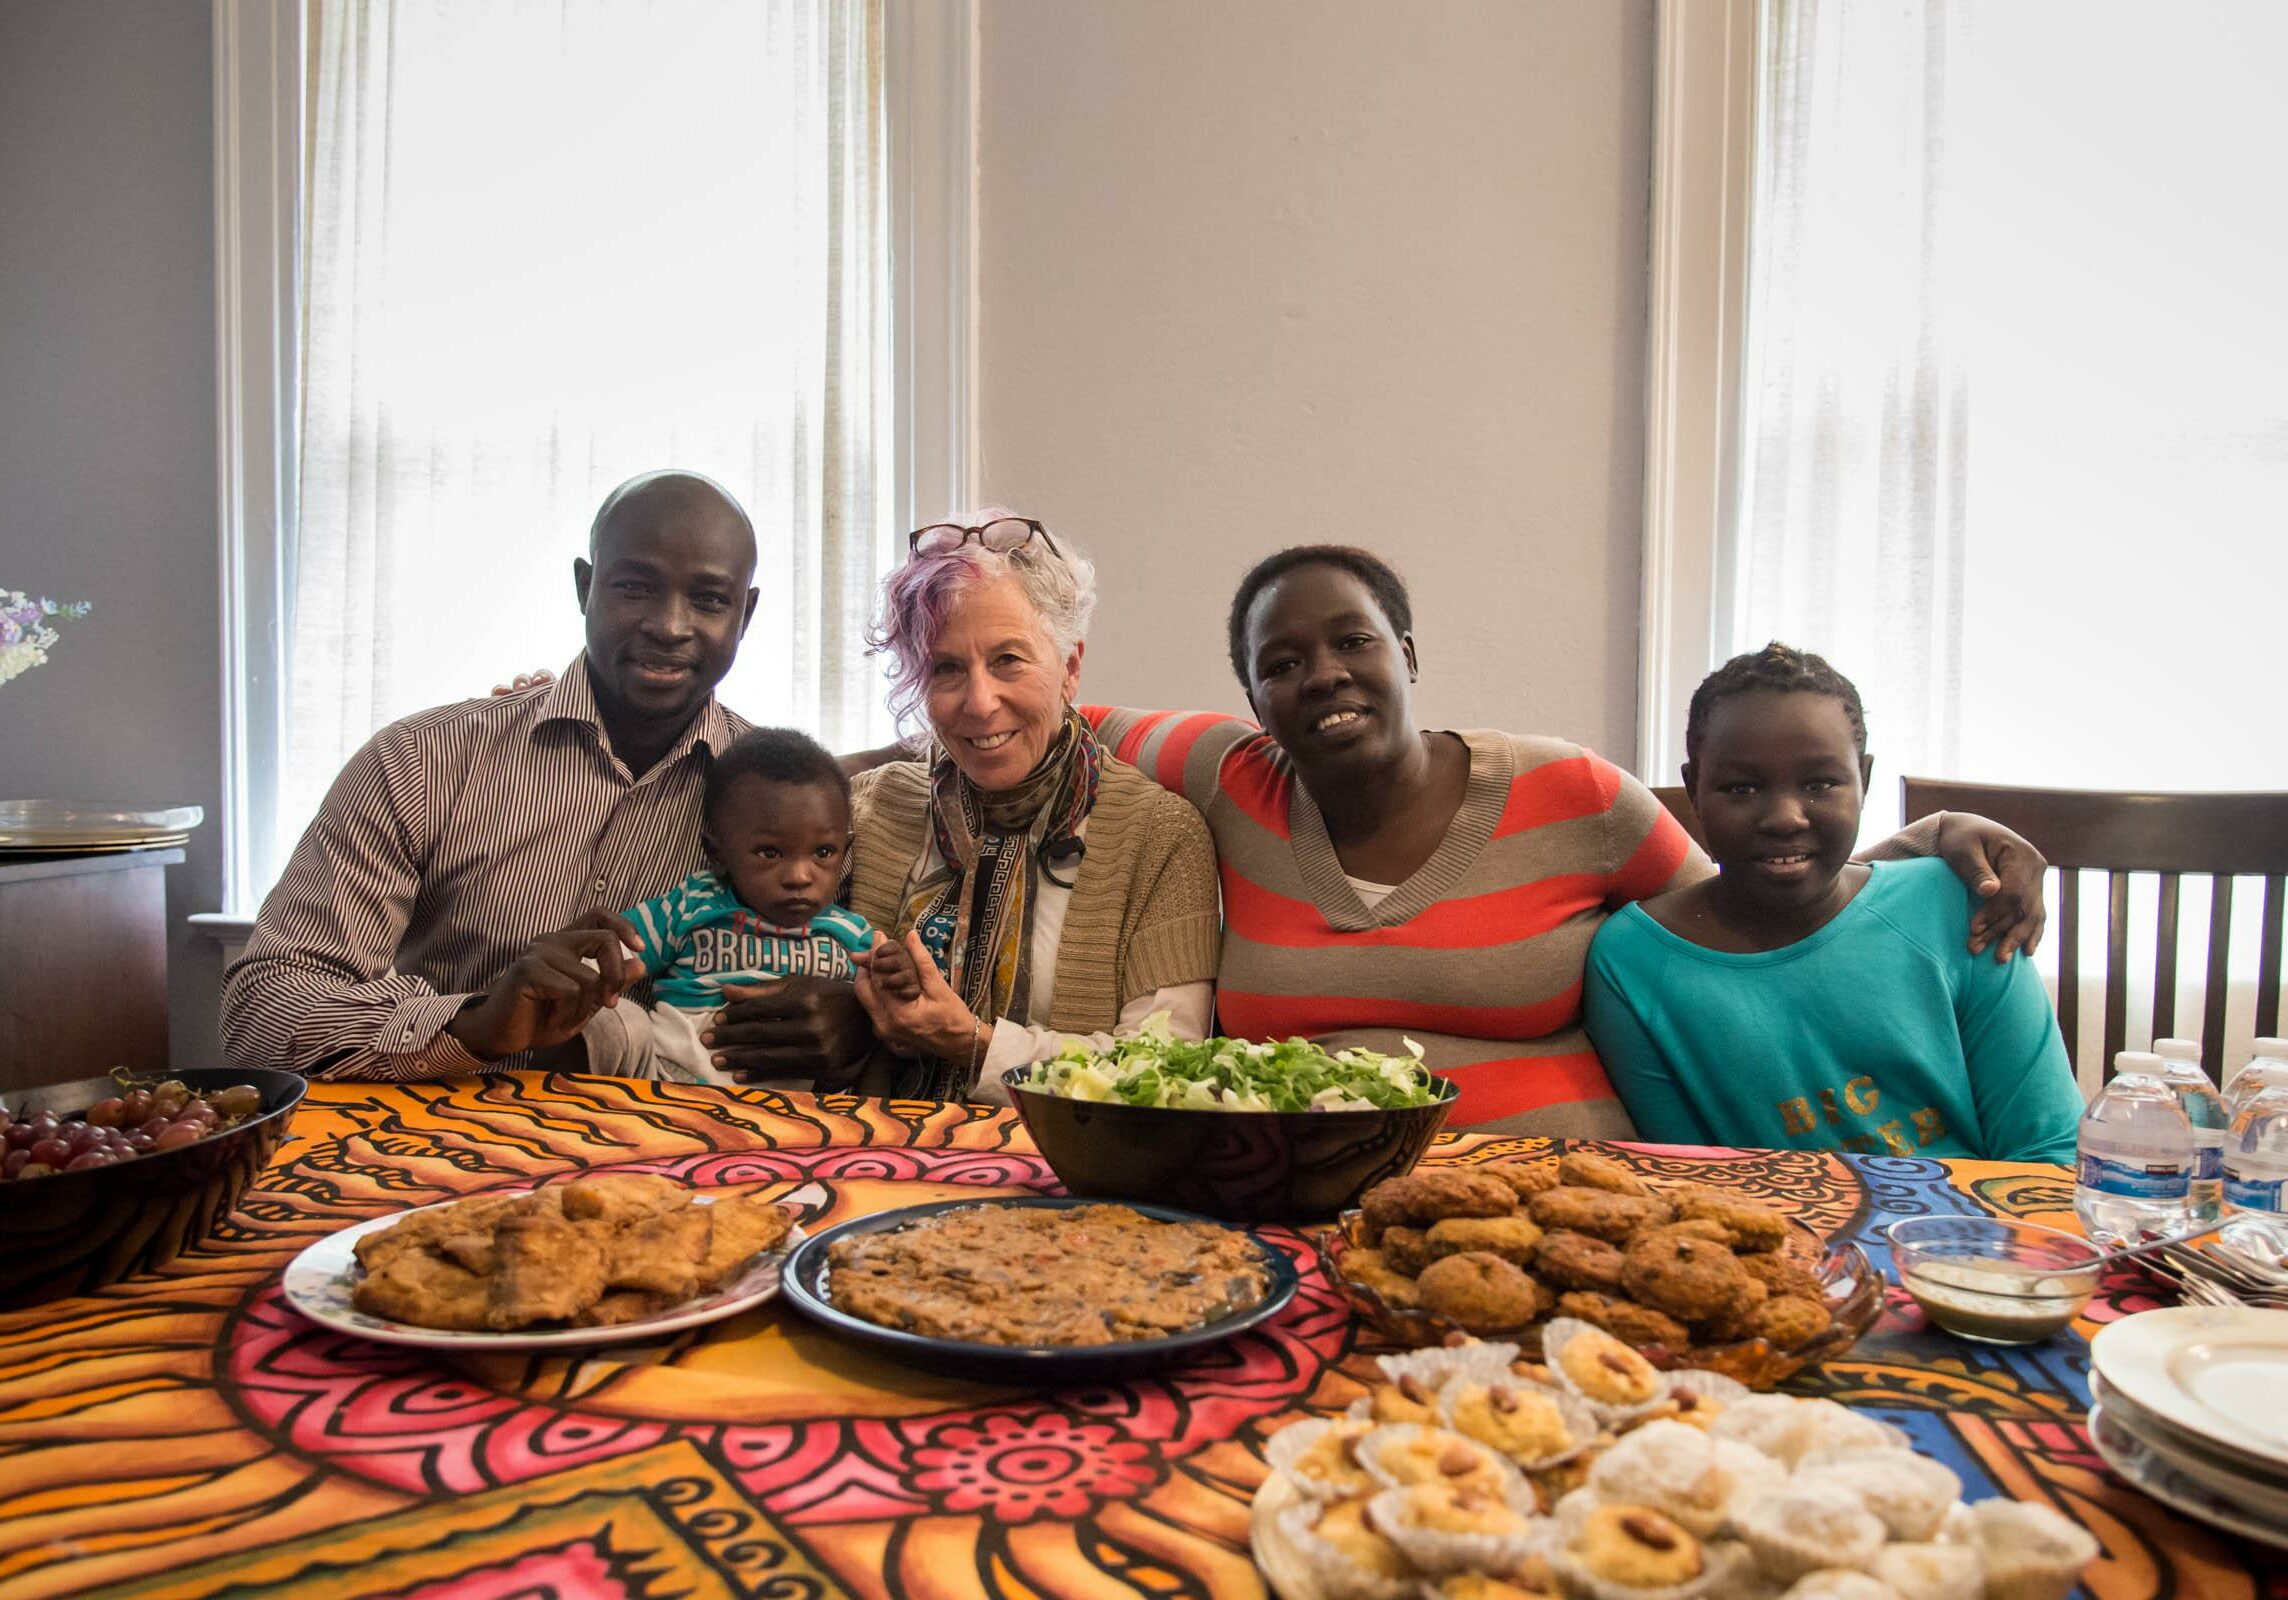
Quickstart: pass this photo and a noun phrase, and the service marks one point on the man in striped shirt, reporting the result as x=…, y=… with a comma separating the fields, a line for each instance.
x=410, y=936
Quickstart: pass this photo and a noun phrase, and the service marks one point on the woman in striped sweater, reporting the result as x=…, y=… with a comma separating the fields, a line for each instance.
x=1382, y=881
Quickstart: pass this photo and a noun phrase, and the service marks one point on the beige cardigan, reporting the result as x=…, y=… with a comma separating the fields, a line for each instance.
x=1143, y=914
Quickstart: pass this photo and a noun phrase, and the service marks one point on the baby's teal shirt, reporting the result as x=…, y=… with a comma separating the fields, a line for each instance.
x=1880, y=1033
x=697, y=937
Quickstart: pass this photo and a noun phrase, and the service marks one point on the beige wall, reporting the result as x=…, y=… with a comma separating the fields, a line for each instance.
x=1265, y=272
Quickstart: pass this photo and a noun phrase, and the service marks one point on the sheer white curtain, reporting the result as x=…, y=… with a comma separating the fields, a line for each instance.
x=2014, y=431
x=1854, y=449
x=549, y=245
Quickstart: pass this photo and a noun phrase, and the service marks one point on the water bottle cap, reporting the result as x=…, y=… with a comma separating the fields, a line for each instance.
x=2276, y=1048
x=2177, y=1049
x=2138, y=1061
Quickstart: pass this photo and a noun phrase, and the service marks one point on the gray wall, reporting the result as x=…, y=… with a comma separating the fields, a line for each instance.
x=107, y=426
x=1328, y=270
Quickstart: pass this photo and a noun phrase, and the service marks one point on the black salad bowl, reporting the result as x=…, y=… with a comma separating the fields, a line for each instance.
x=74, y=1232
x=1242, y=1166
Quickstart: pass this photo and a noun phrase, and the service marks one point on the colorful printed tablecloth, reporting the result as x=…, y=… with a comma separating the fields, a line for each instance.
x=186, y=1434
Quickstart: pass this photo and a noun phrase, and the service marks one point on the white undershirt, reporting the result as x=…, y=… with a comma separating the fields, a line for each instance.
x=1190, y=1006
x=1371, y=894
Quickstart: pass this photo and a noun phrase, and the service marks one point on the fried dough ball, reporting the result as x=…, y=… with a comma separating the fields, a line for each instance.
x=1599, y=1213
x=1624, y=1319
x=1576, y=1261
x=1527, y=1178
x=1480, y=1291
x=1407, y=1249
x=1370, y=1269
x=1700, y=1228
x=1783, y=1274
x=1691, y=1279
x=1753, y=1227
x=1511, y=1238
x=1735, y=1322
x=1426, y=1194
x=1788, y=1320
x=1585, y=1169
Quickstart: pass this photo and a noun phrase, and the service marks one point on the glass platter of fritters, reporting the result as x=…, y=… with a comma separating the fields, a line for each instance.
x=602, y=1259
x=1692, y=1275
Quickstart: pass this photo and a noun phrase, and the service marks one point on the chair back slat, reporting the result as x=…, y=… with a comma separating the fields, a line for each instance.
x=2218, y=984
x=2242, y=834
x=2069, y=970
x=2165, y=961
x=2268, y=959
x=2116, y=964
x=2215, y=836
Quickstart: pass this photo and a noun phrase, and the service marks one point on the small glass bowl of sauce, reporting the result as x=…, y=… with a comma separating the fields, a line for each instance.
x=1991, y=1279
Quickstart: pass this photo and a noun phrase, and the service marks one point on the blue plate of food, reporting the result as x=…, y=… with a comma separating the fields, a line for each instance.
x=1038, y=1290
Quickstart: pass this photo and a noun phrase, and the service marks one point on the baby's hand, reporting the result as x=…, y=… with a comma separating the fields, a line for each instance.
x=892, y=967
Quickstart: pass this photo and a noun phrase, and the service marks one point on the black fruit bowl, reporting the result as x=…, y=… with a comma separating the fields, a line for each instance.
x=73, y=1232
x=1242, y=1166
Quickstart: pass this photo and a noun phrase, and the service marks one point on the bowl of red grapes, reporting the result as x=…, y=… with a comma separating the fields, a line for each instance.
x=106, y=1177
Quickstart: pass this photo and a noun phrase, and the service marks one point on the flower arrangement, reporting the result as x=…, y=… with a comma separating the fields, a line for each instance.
x=25, y=636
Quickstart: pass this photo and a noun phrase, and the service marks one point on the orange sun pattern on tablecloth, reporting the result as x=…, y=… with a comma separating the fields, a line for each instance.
x=188, y=1434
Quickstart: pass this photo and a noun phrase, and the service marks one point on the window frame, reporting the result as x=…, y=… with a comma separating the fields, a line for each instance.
x=1703, y=184
x=261, y=51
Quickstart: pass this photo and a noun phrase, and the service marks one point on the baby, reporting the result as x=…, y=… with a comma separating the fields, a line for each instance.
x=776, y=822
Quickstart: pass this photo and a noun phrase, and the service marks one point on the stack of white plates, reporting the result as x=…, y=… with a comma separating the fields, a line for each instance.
x=76, y=827
x=2191, y=1406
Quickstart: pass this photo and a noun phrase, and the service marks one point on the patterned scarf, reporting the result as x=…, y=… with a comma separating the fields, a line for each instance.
x=975, y=911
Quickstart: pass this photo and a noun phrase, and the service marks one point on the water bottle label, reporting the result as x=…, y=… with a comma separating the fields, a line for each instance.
x=2208, y=1161
x=2135, y=1180
x=2256, y=1194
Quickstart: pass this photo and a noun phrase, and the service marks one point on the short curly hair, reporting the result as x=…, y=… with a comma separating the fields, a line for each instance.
x=1779, y=668
x=780, y=755
x=1380, y=578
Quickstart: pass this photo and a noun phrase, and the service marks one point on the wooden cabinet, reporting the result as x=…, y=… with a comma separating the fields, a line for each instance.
x=83, y=965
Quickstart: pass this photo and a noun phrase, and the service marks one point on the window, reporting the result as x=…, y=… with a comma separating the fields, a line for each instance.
x=1991, y=415
x=480, y=263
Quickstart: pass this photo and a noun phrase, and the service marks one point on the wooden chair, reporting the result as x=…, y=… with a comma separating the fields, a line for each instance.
x=1678, y=799
x=2219, y=836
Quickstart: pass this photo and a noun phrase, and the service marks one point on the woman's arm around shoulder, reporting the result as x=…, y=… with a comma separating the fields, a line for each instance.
x=1182, y=751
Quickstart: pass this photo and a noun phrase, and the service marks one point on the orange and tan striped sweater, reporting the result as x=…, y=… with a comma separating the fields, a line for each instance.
x=1479, y=955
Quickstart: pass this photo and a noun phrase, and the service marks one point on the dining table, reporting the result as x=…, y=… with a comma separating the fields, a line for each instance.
x=187, y=1433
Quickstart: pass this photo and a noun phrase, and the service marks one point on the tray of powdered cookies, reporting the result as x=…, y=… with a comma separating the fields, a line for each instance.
x=1471, y=1473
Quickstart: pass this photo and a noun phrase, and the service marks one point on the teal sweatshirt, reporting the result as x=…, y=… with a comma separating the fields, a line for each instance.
x=1881, y=1033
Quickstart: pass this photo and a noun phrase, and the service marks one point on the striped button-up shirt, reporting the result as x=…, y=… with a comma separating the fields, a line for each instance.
x=449, y=843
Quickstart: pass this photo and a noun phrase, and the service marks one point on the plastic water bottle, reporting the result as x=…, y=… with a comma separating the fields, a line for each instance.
x=2256, y=1155
x=2204, y=1109
x=2136, y=1156
x=2267, y=1069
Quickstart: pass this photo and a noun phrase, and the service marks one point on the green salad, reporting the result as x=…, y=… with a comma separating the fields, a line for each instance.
x=1154, y=1068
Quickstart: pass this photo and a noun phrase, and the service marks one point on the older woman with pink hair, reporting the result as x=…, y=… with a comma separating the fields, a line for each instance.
x=1033, y=888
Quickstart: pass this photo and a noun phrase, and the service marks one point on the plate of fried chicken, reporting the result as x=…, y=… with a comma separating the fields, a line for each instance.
x=601, y=1259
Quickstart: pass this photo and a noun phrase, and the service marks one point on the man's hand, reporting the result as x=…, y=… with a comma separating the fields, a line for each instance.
x=796, y=1027
x=550, y=990
x=525, y=680
x=2005, y=873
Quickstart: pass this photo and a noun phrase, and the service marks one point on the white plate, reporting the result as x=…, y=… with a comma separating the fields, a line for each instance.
x=2143, y=1468
x=2217, y=1373
x=2232, y=1478
x=319, y=1280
